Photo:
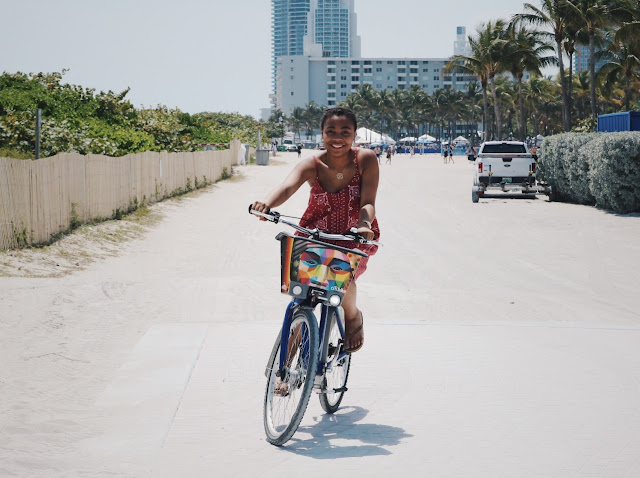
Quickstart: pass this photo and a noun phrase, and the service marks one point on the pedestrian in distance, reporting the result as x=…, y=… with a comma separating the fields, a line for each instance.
x=389, y=155
x=378, y=152
x=451, y=154
x=471, y=153
x=445, y=152
x=299, y=150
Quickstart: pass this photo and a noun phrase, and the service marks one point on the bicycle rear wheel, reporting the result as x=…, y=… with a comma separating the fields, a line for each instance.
x=335, y=377
x=286, y=396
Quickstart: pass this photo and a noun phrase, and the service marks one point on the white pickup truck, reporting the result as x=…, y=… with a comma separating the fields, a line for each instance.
x=505, y=167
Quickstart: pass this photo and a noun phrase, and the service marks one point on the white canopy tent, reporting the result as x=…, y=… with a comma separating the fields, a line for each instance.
x=408, y=139
x=366, y=136
x=461, y=139
x=426, y=137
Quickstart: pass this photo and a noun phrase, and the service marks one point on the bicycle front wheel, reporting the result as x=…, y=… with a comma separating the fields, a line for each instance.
x=337, y=372
x=288, y=390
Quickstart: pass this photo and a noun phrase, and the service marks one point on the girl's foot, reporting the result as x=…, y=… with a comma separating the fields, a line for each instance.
x=354, y=337
x=280, y=388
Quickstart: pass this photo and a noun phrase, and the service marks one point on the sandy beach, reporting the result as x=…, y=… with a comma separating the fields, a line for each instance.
x=501, y=339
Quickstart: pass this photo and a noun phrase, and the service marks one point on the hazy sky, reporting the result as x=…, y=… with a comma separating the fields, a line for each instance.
x=205, y=55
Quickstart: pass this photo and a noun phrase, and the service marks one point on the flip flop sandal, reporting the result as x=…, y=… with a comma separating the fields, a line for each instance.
x=281, y=388
x=354, y=332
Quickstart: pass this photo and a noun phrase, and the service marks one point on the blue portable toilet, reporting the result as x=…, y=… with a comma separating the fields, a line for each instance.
x=624, y=121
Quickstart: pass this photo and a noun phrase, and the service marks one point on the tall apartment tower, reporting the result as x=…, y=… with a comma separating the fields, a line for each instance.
x=332, y=30
x=288, y=28
x=316, y=28
x=461, y=45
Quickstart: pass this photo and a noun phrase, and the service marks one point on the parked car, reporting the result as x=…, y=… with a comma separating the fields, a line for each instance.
x=505, y=167
x=291, y=147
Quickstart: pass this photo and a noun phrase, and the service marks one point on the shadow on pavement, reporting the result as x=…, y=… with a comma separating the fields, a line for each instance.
x=369, y=439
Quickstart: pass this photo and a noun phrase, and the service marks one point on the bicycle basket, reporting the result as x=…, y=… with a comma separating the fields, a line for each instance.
x=325, y=268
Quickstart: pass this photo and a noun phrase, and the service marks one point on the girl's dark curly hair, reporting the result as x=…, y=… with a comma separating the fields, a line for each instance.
x=339, y=111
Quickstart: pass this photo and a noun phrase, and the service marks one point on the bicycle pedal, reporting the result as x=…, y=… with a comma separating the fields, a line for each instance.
x=340, y=390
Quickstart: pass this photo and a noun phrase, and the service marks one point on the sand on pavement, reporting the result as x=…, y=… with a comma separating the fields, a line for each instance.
x=501, y=339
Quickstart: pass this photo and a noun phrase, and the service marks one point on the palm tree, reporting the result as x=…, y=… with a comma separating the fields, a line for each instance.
x=525, y=51
x=494, y=39
x=552, y=15
x=582, y=91
x=419, y=104
x=279, y=118
x=452, y=107
x=366, y=99
x=538, y=93
x=297, y=121
x=438, y=109
x=398, y=99
x=312, y=115
x=473, y=109
x=623, y=66
x=507, y=93
x=478, y=64
x=594, y=15
x=573, y=34
x=351, y=102
x=383, y=107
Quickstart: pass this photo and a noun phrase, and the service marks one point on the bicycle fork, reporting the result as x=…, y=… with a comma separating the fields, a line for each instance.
x=325, y=351
x=330, y=354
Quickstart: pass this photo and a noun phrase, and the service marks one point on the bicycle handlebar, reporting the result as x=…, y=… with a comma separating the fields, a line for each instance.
x=353, y=235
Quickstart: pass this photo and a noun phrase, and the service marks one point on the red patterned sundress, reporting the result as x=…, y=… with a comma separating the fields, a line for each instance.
x=336, y=213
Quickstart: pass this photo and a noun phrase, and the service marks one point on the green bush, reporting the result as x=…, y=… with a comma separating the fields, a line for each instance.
x=565, y=168
x=15, y=154
x=614, y=163
x=601, y=169
x=77, y=119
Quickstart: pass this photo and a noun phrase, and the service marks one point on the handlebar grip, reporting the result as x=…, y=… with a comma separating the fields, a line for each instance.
x=272, y=216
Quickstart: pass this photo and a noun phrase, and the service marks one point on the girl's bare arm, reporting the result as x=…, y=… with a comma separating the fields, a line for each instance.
x=304, y=171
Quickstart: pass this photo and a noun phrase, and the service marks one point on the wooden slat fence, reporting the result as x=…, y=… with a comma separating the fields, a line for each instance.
x=40, y=199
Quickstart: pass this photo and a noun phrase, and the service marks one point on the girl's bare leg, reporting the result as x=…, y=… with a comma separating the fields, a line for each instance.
x=352, y=318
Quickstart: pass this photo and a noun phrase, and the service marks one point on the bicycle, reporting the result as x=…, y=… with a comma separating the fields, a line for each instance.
x=308, y=356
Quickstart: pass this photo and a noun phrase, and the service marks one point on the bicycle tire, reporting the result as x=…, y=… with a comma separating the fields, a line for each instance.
x=283, y=412
x=336, y=378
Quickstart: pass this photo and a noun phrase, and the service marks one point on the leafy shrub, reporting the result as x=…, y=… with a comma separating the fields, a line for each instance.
x=551, y=168
x=614, y=164
x=565, y=167
x=15, y=154
x=114, y=140
x=77, y=119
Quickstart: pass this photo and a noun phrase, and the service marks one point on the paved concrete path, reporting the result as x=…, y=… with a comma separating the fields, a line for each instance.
x=502, y=340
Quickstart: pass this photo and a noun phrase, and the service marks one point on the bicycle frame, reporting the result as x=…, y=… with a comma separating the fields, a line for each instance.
x=322, y=333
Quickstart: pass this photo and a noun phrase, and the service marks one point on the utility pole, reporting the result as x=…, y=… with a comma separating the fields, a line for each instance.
x=38, y=126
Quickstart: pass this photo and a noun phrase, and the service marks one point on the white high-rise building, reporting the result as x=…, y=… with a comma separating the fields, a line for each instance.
x=461, y=45
x=317, y=28
x=332, y=29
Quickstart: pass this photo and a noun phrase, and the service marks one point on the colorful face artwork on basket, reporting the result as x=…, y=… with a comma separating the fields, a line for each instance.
x=317, y=265
x=326, y=268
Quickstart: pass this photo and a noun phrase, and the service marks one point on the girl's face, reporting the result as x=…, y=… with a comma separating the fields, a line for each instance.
x=338, y=134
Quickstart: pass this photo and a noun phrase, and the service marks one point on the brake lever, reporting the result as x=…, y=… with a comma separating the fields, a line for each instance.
x=357, y=236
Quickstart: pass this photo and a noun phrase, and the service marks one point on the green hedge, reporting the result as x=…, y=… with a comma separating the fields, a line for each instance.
x=601, y=169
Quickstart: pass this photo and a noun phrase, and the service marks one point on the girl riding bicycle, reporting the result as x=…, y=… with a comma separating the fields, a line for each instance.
x=344, y=184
